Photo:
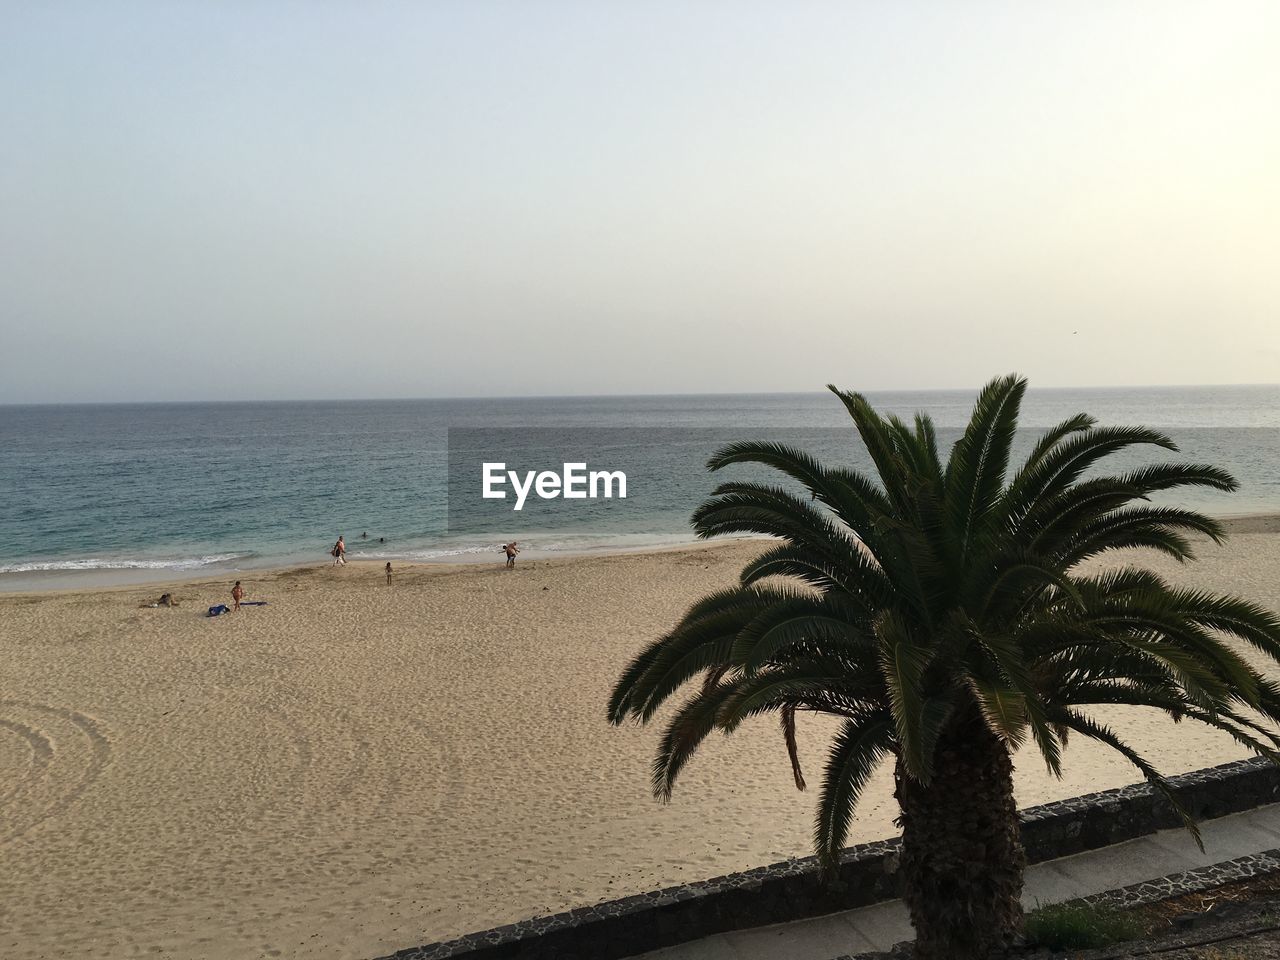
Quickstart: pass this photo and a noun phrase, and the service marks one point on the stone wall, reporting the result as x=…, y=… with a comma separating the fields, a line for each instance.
x=793, y=889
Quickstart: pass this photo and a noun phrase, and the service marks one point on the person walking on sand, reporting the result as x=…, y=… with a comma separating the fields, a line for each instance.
x=339, y=552
x=237, y=594
x=510, y=549
x=388, y=573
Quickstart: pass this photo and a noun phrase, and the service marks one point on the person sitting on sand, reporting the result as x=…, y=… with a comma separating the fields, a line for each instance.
x=510, y=549
x=237, y=594
x=166, y=600
x=339, y=552
x=388, y=573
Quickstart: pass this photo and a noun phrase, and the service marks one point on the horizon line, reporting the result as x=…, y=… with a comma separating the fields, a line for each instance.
x=603, y=396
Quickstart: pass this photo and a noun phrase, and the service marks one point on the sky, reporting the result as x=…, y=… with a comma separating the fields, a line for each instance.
x=276, y=200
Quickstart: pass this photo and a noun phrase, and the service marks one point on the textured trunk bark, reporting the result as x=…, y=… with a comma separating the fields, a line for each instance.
x=962, y=856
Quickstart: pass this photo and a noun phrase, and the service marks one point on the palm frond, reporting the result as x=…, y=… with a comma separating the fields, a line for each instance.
x=975, y=472
x=903, y=661
x=858, y=749
x=793, y=748
x=1096, y=731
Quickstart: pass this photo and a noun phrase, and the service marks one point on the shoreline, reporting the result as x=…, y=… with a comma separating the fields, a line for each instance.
x=443, y=565
x=19, y=583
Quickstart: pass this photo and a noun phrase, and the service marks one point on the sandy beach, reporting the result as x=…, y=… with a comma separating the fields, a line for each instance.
x=356, y=768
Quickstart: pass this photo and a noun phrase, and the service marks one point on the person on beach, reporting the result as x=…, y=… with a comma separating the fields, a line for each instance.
x=388, y=573
x=339, y=552
x=237, y=594
x=510, y=549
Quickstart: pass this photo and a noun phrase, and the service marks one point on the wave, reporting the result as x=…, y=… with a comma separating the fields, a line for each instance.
x=122, y=563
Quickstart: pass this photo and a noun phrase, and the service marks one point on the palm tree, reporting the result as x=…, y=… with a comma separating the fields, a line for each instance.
x=942, y=615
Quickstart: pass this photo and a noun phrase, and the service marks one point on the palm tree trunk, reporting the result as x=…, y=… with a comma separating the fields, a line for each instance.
x=962, y=857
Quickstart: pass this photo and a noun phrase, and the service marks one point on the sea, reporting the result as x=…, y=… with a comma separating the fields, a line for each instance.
x=133, y=493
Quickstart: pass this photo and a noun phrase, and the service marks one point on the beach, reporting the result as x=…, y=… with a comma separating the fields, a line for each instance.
x=356, y=768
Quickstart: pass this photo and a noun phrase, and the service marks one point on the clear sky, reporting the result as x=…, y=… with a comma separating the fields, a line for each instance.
x=257, y=200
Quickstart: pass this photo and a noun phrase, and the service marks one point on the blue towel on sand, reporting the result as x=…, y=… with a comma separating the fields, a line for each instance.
x=223, y=608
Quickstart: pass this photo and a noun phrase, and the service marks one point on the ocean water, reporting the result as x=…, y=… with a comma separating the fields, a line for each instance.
x=146, y=492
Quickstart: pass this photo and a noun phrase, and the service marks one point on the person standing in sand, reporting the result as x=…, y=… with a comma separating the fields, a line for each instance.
x=388, y=573
x=237, y=594
x=510, y=549
x=339, y=552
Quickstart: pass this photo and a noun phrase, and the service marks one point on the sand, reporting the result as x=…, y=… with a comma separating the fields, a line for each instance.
x=358, y=768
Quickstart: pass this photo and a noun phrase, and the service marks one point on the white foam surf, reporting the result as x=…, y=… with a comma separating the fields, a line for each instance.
x=120, y=563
